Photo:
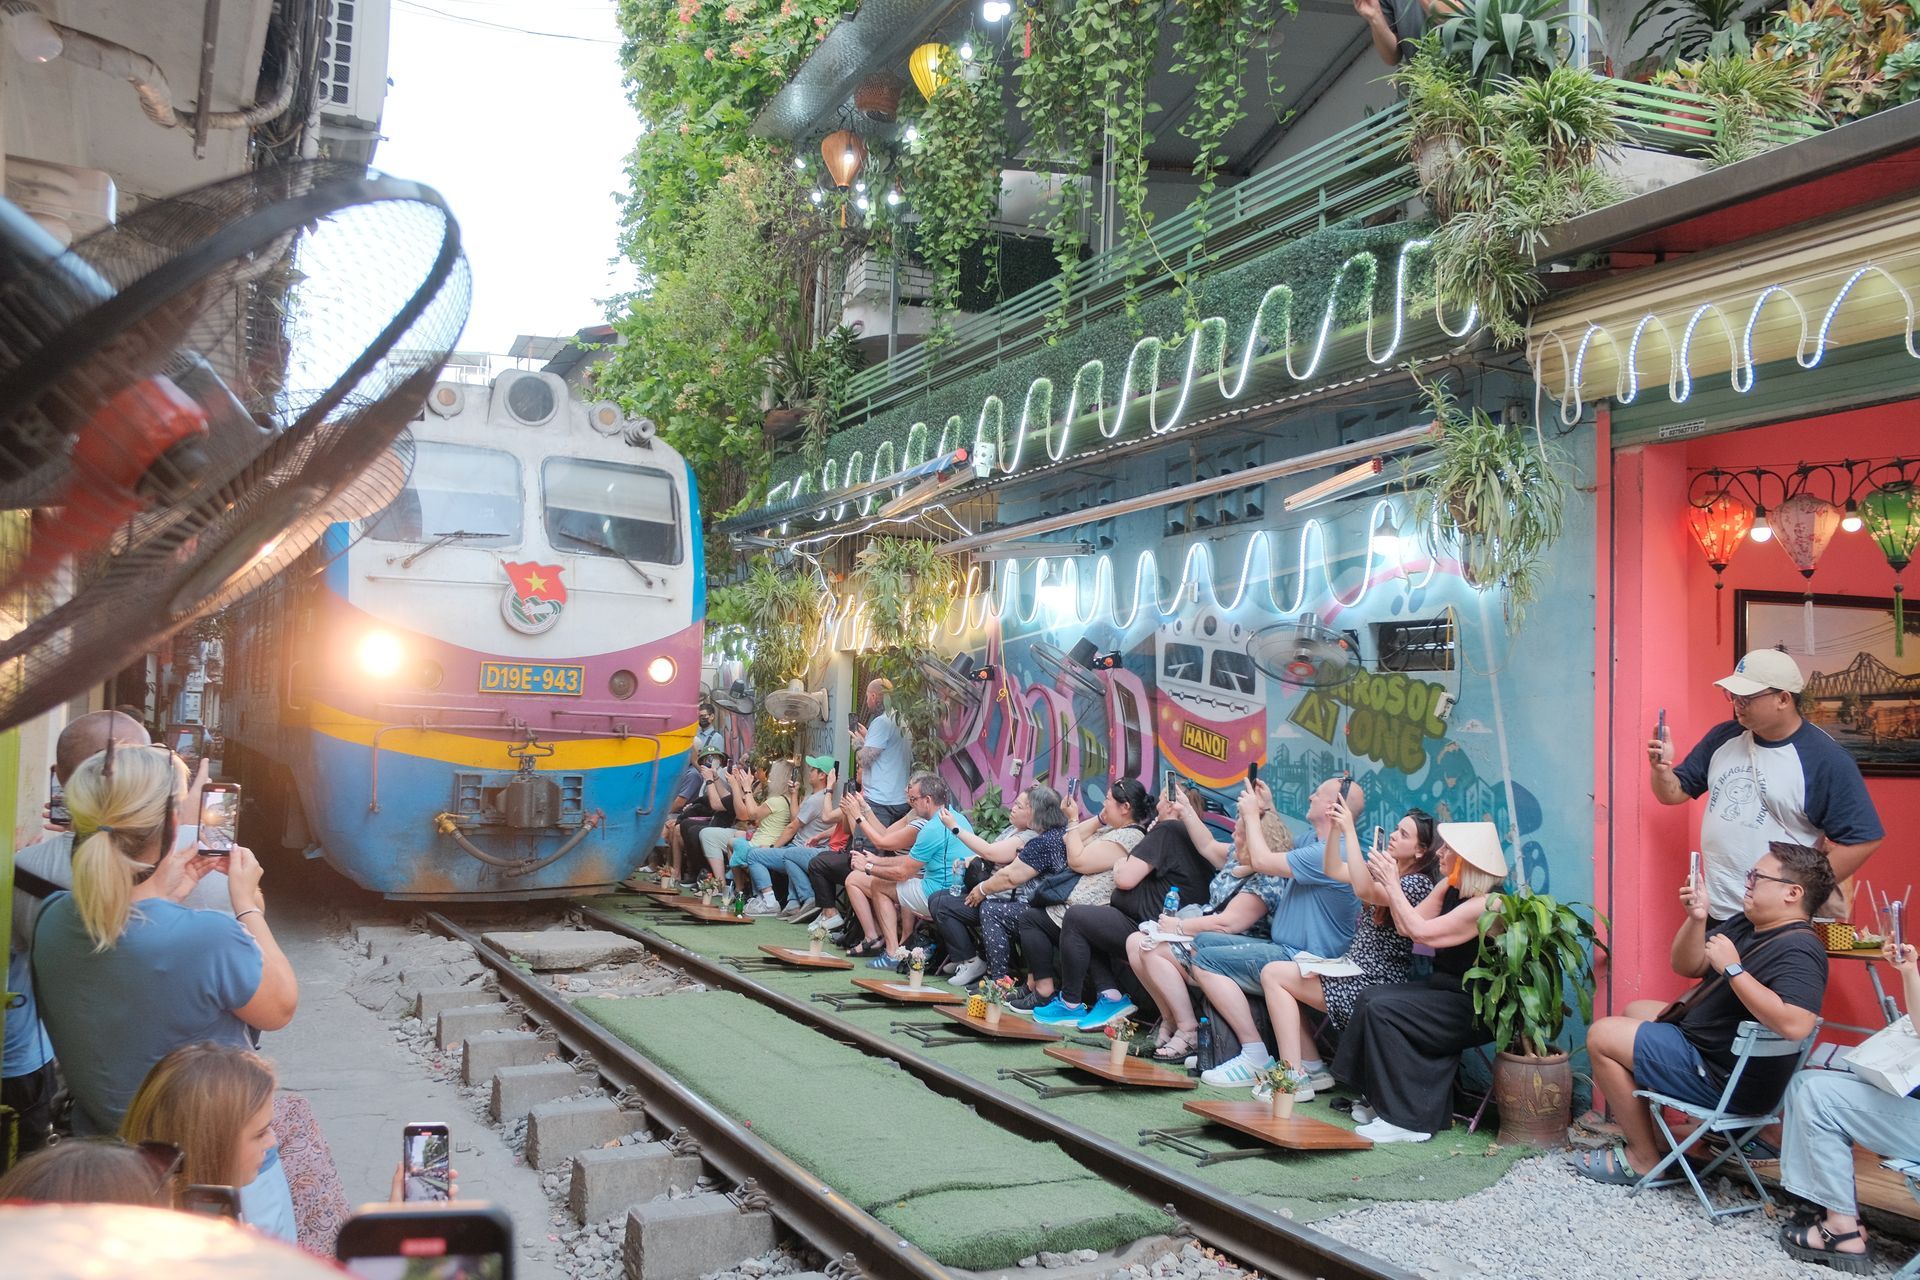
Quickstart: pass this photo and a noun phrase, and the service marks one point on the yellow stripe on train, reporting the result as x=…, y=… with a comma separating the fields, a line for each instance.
x=569, y=754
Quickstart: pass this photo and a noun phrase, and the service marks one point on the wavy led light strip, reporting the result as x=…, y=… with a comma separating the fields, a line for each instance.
x=843, y=622
x=1811, y=348
x=1140, y=381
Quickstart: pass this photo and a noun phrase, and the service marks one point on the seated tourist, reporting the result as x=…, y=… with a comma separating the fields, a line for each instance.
x=781, y=805
x=956, y=911
x=686, y=792
x=1829, y=1113
x=998, y=902
x=1402, y=1043
x=712, y=806
x=893, y=891
x=215, y=1103
x=811, y=828
x=874, y=839
x=97, y=1171
x=763, y=810
x=1316, y=914
x=1380, y=952
x=1095, y=846
x=1238, y=903
x=1766, y=964
x=123, y=973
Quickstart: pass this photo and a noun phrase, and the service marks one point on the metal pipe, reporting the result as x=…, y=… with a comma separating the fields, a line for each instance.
x=150, y=82
x=447, y=824
x=202, y=108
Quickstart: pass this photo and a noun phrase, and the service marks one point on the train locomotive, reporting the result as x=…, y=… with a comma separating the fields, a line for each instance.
x=488, y=690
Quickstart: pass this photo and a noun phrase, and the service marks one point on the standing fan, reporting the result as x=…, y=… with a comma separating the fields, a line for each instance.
x=1304, y=654
x=200, y=391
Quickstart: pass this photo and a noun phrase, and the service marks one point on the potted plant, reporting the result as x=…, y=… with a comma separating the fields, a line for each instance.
x=916, y=967
x=1444, y=112
x=1746, y=93
x=1503, y=39
x=1694, y=29
x=996, y=994
x=710, y=891
x=1120, y=1034
x=816, y=939
x=989, y=813
x=1277, y=1082
x=1532, y=949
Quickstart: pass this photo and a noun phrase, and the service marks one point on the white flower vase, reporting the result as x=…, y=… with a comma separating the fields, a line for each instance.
x=1281, y=1100
x=1117, y=1052
x=993, y=1014
x=815, y=945
x=915, y=977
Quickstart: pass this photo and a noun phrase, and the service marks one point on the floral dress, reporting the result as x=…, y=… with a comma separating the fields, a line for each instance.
x=1383, y=953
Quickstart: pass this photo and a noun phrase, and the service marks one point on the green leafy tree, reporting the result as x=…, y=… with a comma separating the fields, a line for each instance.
x=908, y=586
x=779, y=612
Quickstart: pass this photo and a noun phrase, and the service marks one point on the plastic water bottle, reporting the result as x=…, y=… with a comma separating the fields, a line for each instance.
x=1204, y=1043
x=1170, y=905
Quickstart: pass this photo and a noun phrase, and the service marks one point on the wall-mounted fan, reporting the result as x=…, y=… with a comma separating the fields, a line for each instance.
x=199, y=391
x=1304, y=654
x=797, y=704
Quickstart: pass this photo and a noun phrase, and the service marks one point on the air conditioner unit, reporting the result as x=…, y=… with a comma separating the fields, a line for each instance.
x=353, y=76
x=66, y=201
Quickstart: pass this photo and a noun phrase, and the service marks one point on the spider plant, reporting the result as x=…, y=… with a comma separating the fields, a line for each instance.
x=1498, y=39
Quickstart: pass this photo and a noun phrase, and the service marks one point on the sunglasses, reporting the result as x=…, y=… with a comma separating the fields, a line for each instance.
x=164, y=1158
x=1744, y=700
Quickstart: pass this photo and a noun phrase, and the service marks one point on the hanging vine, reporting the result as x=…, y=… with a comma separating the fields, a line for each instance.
x=1215, y=36
x=955, y=168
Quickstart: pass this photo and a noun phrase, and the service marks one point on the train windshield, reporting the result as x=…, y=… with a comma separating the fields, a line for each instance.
x=603, y=508
x=456, y=488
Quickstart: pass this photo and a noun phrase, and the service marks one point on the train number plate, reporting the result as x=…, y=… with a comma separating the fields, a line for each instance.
x=531, y=677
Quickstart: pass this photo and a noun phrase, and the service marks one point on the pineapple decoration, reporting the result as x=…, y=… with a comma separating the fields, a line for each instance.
x=976, y=1006
x=1892, y=518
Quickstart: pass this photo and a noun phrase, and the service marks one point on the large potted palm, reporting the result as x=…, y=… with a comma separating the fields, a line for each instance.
x=1533, y=949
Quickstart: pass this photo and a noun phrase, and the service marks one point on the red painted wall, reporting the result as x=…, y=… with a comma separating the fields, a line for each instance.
x=1667, y=655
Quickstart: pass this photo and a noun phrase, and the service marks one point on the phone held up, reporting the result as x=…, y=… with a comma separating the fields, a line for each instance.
x=438, y=1242
x=214, y=1202
x=219, y=817
x=426, y=1151
x=57, y=811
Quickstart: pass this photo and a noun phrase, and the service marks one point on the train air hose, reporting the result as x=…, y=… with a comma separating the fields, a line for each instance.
x=448, y=825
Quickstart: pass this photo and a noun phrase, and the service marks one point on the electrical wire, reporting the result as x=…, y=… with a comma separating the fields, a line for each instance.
x=417, y=7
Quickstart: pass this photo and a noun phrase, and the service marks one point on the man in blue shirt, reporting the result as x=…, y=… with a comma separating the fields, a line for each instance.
x=883, y=888
x=885, y=756
x=1316, y=915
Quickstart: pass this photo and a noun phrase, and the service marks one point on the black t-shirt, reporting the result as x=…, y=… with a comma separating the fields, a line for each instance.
x=1789, y=960
x=1176, y=864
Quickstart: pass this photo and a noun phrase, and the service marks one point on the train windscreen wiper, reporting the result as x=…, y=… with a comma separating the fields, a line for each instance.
x=441, y=540
x=598, y=545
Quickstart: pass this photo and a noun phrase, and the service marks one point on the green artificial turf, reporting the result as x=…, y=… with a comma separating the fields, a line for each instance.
x=965, y=1190
x=1306, y=1185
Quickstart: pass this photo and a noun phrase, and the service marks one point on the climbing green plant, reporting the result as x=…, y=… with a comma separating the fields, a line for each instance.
x=778, y=609
x=954, y=169
x=907, y=587
x=1215, y=36
x=990, y=815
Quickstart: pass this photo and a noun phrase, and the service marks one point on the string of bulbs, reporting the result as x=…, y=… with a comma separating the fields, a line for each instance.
x=1840, y=483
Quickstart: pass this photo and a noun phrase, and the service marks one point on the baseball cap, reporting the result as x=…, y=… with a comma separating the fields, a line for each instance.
x=1477, y=843
x=825, y=764
x=1761, y=670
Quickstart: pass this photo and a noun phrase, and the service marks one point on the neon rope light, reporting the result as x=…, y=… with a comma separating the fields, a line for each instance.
x=1273, y=321
x=1808, y=351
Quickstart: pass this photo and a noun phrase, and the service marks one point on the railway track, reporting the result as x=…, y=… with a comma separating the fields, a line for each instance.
x=1262, y=1239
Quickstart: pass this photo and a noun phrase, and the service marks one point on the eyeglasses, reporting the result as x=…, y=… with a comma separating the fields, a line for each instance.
x=1755, y=877
x=1742, y=701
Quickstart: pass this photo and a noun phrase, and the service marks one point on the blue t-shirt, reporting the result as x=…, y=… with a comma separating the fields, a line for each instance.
x=1316, y=913
x=885, y=780
x=936, y=848
x=174, y=978
x=1758, y=791
x=28, y=1048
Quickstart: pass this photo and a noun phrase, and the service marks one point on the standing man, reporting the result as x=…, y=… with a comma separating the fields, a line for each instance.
x=1768, y=776
x=707, y=739
x=885, y=757
x=1396, y=24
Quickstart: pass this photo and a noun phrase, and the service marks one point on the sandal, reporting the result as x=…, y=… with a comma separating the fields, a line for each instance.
x=1608, y=1165
x=1797, y=1239
x=1179, y=1046
x=867, y=947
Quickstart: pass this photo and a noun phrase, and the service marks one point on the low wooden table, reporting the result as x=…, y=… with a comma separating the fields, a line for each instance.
x=801, y=958
x=1134, y=1072
x=1012, y=1028
x=652, y=888
x=709, y=915
x=1254, y=1117
x=888, y=990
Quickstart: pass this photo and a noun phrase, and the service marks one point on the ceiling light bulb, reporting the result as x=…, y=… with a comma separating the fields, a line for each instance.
x=995, y=10
x=816, y=197
x=1852, y=522
x=800, y=163
x=32, y=36
x=860, y=186
x=913, y=133
x=893, y=197
x=861, y=204
x=1762, y=531
x=848, y=158
x=966, y=50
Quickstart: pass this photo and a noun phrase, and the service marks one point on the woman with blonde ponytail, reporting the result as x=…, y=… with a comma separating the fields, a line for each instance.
x=123, y=972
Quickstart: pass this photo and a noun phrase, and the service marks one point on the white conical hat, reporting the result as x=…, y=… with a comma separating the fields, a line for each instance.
x=1477, y=843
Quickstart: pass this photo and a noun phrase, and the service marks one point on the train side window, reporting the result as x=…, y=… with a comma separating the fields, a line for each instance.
x=456, y=488
x=1232, y=670
x=1182, y=662
x=605, y=508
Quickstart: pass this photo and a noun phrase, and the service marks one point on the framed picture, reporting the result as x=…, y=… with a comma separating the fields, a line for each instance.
x=1858, y=689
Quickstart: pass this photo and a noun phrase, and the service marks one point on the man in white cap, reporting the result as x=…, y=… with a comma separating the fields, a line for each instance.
x=1768, y=775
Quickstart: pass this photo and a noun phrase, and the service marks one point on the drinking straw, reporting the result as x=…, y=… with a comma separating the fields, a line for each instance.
x=1873, y=903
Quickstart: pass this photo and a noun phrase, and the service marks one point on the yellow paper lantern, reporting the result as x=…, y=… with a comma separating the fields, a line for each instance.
x=925, y=65
x=845, y=154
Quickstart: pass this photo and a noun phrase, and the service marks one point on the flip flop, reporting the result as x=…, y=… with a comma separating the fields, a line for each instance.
x=1608, y=1165
x=1797, y=1239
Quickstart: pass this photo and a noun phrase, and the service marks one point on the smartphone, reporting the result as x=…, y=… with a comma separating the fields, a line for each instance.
x=1660, y=726
x=1693, y=869
x=1173, y=784
x=427, y=1242
x=1346, y=783
x=57, y=810
x=219, y=816
x=1379, y=840
x=1253, y=771
x=214, y=1202
x=1071, y=790
x=426, y=1151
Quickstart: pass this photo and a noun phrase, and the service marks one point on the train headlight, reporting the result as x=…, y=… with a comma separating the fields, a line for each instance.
x=662, y=670
x=621, y=684
x=380, y=654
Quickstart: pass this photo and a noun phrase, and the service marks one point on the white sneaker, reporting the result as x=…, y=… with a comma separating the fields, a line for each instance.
x=1321, y=1080
x=831, y=921
x=969, y=973
x=1235, y=1073
x=1364, y=1114
x=1381, y=1132
x=765, y=905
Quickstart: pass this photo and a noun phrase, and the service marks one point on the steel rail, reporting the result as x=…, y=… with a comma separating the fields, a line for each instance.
x=1267, y=1242
x=828, y=1221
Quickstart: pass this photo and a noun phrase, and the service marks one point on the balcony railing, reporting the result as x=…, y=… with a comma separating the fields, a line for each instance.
x=1357, y=172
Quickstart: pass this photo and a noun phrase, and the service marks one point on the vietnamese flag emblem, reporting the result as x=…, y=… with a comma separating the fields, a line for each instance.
x=532, y=581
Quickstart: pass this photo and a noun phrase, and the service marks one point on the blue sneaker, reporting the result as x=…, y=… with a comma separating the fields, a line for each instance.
x=1106, y=1011
x=1057, y=1012
x=884, y=961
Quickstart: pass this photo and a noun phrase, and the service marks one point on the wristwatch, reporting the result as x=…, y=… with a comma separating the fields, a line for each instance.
x=1733, y=970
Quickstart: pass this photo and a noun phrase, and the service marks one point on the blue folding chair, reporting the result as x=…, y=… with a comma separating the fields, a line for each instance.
x=1750, y=1042
x=1910, y=1170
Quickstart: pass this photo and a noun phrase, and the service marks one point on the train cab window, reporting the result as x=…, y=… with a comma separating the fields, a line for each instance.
x=1182, y=662
x=1231, y=670
x=604, y=508
x=456, y=488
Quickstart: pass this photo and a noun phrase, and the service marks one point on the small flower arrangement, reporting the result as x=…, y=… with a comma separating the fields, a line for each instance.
x=1275, y=1078
x=1122, y=1030
x=917, y=960
x=818, y=929
x=999, y=991
x=709, y=886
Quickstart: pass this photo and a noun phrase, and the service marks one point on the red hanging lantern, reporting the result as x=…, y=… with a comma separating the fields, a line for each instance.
x=845, y=154
x=1720, y=528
